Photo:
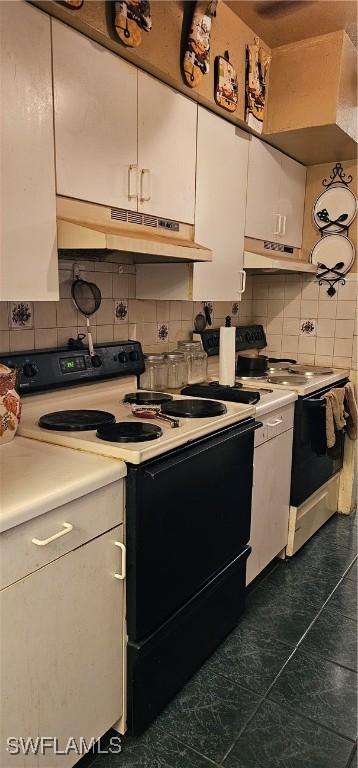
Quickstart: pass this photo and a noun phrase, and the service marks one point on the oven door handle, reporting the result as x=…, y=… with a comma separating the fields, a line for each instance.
x=169, y=463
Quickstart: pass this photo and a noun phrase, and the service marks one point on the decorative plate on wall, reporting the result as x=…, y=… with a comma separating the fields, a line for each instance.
x=334, y=209
x=333, y=252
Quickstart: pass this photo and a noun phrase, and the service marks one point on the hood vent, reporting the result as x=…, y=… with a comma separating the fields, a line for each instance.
x=144, y=237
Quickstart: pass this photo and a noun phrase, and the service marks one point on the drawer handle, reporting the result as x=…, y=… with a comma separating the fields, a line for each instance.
x=67, y=527
x=121, y=575
x=274, y=423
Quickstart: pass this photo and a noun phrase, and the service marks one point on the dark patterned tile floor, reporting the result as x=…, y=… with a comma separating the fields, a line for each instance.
x=280, y=692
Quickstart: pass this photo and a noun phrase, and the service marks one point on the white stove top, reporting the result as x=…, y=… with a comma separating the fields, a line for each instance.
x=108, y=396
x=302, y=385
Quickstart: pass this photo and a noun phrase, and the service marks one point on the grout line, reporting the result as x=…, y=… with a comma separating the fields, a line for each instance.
x=183, y=743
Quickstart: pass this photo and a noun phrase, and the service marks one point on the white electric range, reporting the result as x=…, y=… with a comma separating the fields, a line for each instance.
x=187, y=504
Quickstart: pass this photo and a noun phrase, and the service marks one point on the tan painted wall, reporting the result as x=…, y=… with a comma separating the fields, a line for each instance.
x=314, y=187
x=304, y=83
x=159, y=52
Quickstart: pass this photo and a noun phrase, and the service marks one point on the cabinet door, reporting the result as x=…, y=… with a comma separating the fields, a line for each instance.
x=270, y=502
x=263, y=191
x=61, y=650
x=292, y=200
x=28, y=252
x=95, y=95
x=221, y=185
x=166, y=150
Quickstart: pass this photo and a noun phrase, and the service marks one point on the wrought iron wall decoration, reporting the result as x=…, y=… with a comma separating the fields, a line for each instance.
x=333, y=212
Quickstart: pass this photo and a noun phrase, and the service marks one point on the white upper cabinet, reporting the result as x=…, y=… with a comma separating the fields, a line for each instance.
x=95, y=94
x=166, y=151
x=28, y=250
x=292, y=201
x=275, y=195
x=221, y=184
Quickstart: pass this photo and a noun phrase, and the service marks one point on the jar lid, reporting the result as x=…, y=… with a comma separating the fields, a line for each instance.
x=155, y=357
x=189, y=345
x=176, y=355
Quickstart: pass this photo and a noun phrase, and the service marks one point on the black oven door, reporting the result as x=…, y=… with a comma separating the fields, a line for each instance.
x=188, y=514
x=312, y=463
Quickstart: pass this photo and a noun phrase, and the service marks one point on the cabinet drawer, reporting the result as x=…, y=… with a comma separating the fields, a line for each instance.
x=89, y=516
x=274, y=423
x=306, y=519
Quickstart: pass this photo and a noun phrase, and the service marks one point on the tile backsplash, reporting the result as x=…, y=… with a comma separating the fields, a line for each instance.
x=303, y=322
x=157, y=324
x=300, y=320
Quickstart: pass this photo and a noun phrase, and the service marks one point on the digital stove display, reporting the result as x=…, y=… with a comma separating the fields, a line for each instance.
x=72, y=364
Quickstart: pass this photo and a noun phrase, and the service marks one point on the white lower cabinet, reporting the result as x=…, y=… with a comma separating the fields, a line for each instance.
x=271, y=491
x=61, y=653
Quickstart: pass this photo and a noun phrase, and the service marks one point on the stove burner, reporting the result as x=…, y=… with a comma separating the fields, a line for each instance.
x=234, y=394
x=290, y=379
x=146, y=398
x=310, y=370
x=75, y=421
x=194, y=409
x=279, y=365
x=129, y=432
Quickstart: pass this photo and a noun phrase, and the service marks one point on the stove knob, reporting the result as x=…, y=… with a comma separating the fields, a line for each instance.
x=122, y=357
x=29, y=370
x=96, y=361
x=134, y=355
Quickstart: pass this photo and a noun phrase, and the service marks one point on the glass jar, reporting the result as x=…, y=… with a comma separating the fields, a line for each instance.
x=197, y=360
x=177, y=370
x=155, y=376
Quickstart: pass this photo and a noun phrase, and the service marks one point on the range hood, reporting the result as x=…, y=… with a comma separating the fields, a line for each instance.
x=102, y=229
x=260, y=263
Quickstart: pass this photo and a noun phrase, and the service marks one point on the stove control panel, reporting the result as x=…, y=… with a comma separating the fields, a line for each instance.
x=49, y=368
x=247, y=337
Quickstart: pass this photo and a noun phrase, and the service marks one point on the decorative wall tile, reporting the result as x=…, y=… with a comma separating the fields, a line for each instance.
x=162, y=332
x=307, y=327
x=21, y=315
x=121, y=311
x=235, y=307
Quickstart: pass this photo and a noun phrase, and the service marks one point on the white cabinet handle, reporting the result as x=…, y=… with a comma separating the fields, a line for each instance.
x=132, y=182
x=242, y=274
x=121, y=575
x=67, y=527
x=282, y=225
x=274, y=423
x=277, y=227
x=145, y=181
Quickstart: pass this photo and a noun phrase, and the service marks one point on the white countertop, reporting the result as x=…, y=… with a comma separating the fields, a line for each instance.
x=36, y=477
